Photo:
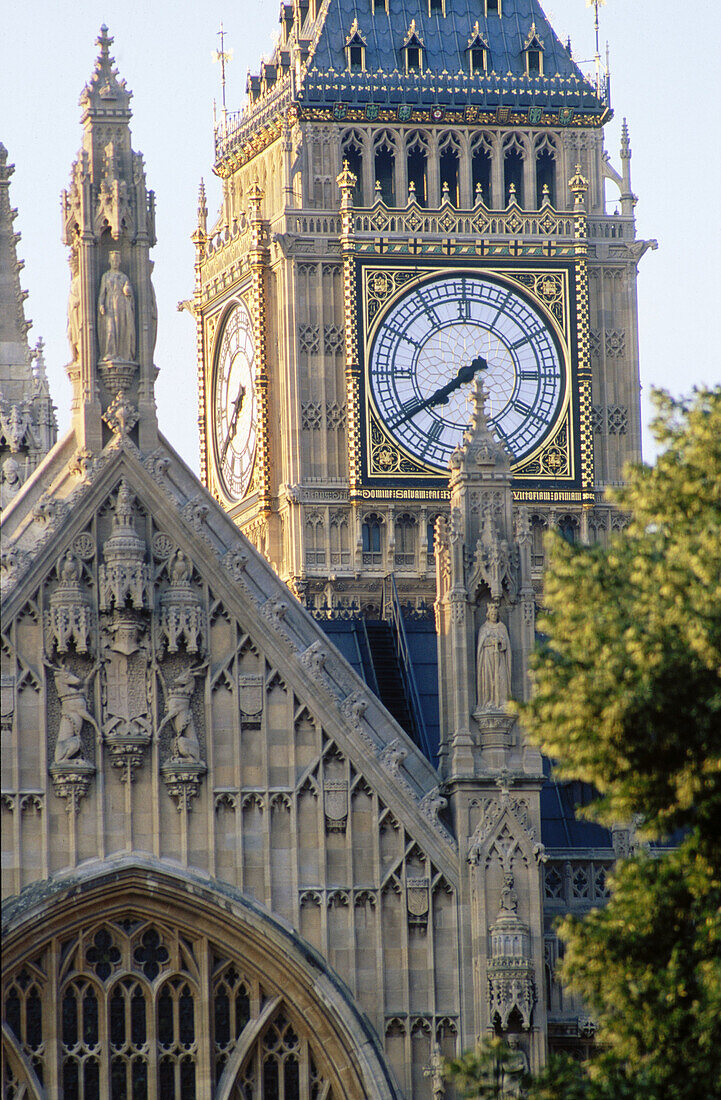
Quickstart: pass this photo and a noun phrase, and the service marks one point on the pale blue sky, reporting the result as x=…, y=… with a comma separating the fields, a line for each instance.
x=665, y=79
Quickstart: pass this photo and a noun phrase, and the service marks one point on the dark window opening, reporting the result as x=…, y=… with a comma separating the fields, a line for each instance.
x=378, y=6
x=371, y=535
x=567, y=529
x=449, y=175
x=545, y=177
x=513, y=175
x=492, y=7
x=417, y=164
x=478, y=60
x=481, y=170
x=413, y=59
x=435, y=7
x=356, y=59
x=354, y=158
x=385, y=175
x=534, y=62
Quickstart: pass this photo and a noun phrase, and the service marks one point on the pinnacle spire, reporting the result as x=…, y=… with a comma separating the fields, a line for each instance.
x=28, y=428
x=105, y=93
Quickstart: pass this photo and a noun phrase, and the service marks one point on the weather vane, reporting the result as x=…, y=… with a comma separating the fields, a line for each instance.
x=596, y=4
x=222, y=55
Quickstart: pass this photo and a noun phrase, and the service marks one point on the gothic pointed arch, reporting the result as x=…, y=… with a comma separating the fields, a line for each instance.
x=148, y=977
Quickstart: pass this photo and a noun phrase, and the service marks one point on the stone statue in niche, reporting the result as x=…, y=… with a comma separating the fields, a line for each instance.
x=493, y=661
x=11, y=481
x=116, y=314
x=509, y=897
x=73, y=695
x=74, y=308
x=186, y=746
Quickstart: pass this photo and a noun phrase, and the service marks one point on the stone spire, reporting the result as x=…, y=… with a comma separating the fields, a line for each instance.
x=109, y=226
x=28, y=428
x=483, y=590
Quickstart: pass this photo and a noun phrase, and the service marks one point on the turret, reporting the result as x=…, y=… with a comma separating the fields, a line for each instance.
x=109, y=225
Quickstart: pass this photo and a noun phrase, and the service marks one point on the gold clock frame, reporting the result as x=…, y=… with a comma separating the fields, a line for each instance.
x=561, y=466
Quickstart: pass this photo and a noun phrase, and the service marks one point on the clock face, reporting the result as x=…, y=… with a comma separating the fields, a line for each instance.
x=440, y=327
x=234, y=404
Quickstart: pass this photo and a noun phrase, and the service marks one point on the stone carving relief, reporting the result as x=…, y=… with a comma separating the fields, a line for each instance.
x=11, y=481
x=181, y=619
x=125, y=575
x=126, y=690
x=335, y=802
x=184, y=769
x=69, y=619
x=495, y=567
x=70, y=771
x=417, y=901
x=510, y=968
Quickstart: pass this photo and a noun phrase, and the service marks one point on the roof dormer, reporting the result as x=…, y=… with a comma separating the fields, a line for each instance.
x=413, y=50
x=478, y=52
x=533, y=52
x=355, y=50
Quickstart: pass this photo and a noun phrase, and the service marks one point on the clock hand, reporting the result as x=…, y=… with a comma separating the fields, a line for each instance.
x=441, y=395
x=233, y=425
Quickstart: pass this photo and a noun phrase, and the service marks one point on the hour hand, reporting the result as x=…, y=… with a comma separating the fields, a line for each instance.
x=440, y=396
x=233, y=425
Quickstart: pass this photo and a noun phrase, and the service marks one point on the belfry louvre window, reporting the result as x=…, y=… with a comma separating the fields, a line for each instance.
x=132, y=1010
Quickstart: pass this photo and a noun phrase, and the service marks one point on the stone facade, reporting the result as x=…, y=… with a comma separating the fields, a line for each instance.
x=228, y=871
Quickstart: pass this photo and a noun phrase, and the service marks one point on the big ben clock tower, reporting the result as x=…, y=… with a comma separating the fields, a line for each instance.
x=413, y=199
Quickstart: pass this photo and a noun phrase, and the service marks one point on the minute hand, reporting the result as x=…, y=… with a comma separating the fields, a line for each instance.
x=441, y=395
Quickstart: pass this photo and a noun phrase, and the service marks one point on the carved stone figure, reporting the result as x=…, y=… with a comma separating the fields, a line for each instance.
x=493, y=661
x=509, y=897
x=74, y=309
x=11, y=480
x=116, y=314
x=185, y=743
x=72, y=693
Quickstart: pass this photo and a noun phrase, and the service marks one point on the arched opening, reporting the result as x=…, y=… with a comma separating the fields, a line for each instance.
x=371, y=540
x=161, y=977
x=513, y=173
x=352, y=154
x=385, y=171
x=545, y=177
x=481, y=172
x=568, y=528
x=417, y=167
x=449, y=160
x=405, y=539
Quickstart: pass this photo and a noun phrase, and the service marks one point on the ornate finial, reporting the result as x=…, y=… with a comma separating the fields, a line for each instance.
x=578, y=185
x=546, y=195
x=255, y=194
x=105, y=92
x=625, y=141
x=346, y=180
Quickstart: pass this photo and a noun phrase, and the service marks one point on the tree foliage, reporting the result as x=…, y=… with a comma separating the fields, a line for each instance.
x=490, y=1072
x=628, y=684
x=628, y=698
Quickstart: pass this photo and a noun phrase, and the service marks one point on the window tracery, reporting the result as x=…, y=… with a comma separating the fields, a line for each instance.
x=130, y=1010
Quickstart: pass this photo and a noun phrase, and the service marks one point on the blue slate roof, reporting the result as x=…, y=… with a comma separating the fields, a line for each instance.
x=445, y=38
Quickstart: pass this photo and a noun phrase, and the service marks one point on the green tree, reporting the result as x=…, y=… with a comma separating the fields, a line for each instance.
x=628, y=697
x=490, y=1072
